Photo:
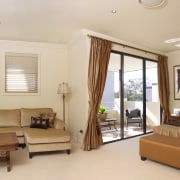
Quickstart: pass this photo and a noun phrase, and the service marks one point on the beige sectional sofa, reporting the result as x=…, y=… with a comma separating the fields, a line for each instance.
x=54, y=138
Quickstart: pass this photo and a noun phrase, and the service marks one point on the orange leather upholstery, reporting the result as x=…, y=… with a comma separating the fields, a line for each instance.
x=160, y=148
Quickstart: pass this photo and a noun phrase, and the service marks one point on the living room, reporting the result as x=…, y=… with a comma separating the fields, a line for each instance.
x=68, y=62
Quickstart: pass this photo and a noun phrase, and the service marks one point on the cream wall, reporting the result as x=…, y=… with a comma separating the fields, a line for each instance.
x=78, y=57
x=53, y=70
x=173, y=59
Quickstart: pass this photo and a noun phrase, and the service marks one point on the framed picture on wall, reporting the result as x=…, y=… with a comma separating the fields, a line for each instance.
x=176, y=82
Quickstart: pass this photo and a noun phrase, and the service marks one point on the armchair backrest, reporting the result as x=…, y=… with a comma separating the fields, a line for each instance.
x=133, y=113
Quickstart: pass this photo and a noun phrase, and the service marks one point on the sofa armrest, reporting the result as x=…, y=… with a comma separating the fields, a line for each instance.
x=59, y=124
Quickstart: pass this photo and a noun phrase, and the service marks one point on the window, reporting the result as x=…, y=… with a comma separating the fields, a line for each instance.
x=21, y=73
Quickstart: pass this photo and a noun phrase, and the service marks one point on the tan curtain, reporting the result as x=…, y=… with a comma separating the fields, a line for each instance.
x=163, y=81
x=98, y=65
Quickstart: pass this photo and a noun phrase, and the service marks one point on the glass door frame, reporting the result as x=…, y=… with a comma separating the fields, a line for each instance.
x=121, y=79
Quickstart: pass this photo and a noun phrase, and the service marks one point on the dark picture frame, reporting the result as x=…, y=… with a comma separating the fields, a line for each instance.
x=176, y=82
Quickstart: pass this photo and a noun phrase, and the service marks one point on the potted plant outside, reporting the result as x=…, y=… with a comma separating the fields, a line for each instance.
x=102, y=112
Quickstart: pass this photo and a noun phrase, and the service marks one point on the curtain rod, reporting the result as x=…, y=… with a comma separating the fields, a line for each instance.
x=128, y=46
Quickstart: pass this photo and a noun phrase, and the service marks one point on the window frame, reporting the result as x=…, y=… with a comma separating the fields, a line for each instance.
x=4, y=74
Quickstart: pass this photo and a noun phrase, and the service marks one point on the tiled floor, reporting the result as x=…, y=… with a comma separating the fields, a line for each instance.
x=115, y=134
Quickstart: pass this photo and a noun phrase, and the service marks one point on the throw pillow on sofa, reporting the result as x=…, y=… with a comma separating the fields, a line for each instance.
x=38, y=122
x=50, y=116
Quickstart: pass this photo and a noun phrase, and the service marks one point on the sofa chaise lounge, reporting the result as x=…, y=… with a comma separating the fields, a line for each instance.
x=53, y=138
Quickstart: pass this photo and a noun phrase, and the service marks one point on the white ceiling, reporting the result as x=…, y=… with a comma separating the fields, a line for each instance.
x=56, y=21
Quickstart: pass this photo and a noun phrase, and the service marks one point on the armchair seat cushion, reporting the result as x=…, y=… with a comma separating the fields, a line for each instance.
x=135, y=120
x=43, y=136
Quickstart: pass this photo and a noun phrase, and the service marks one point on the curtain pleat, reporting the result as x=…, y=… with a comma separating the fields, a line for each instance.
x=163, y=82
x=98, y=66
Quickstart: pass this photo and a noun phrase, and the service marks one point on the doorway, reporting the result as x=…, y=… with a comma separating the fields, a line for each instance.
x=131, y=84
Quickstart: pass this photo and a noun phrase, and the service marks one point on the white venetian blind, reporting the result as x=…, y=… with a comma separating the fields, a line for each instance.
x=21, y=73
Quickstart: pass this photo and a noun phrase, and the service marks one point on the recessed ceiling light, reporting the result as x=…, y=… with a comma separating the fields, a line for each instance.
x=172, y=40
x=151, y=3
x=113, y=11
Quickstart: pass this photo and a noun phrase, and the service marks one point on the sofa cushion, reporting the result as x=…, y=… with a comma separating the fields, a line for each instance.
x=167, y=130
x=38, y=122
x=9, y=117
x=43, y=136
x=26, y=114
x=18, y=130
x=50, y=116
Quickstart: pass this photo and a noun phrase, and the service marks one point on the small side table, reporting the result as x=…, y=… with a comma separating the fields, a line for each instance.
x=108, y=122
x=8, y=143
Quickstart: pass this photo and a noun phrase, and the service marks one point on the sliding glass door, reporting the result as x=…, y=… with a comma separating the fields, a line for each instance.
x=133, y=96
x=130, y=97
x=111, y=100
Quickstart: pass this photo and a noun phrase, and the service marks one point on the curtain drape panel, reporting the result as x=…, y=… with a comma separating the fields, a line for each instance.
x=98, y=65
x=163, y=81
